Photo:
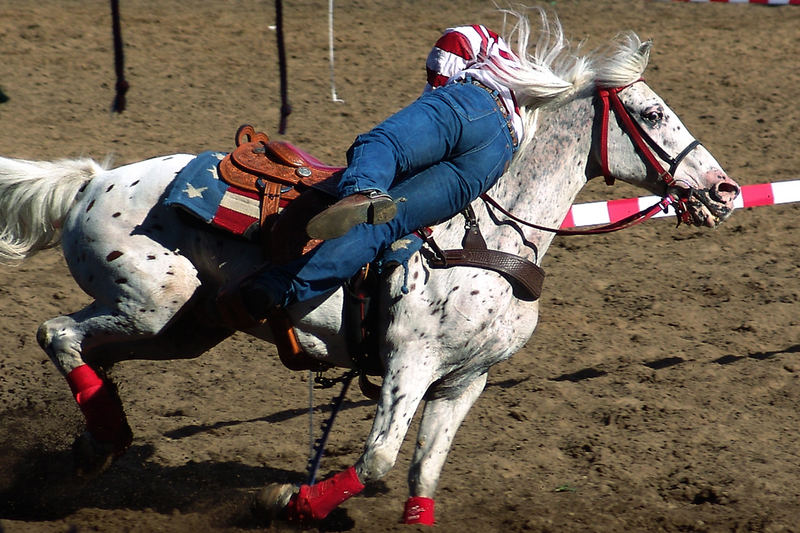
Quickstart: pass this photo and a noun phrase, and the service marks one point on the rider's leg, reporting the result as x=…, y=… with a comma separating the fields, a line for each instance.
x=433, y=195
x=454, y=121
x=479, y=156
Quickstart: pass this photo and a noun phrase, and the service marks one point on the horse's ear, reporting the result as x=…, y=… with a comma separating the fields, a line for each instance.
x=644, y=49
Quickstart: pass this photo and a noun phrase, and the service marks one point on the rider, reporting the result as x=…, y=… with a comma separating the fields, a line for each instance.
x=420, y=166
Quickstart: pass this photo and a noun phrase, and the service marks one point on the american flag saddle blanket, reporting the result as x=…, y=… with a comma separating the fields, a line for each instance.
x=198, y=190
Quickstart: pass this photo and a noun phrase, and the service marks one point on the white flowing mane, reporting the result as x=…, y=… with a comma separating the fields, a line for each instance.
x=553, y=71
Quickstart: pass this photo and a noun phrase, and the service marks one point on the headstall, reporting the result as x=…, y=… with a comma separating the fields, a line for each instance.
x=609, y=101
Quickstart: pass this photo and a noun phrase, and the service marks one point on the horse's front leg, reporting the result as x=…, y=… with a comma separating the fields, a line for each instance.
x=405, y=384
x=441, y=419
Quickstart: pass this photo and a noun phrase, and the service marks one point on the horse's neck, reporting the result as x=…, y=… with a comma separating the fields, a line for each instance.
x=544, y=180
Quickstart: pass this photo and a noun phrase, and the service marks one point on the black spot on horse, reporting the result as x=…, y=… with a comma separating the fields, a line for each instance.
x=134, y=183
x=115, y=215
x=110, y=187
x=121, y=281
x=116, y=254
x=90, y=206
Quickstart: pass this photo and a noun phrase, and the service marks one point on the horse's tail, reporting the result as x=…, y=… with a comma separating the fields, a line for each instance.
x=35, y=197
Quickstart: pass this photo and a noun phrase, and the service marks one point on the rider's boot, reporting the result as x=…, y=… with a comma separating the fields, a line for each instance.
x=372, y=206
x=249, y=302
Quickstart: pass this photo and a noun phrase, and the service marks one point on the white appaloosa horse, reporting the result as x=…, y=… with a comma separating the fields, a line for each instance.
x=153, y=275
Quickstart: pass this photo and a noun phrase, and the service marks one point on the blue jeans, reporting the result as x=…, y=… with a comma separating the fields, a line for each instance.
x=434, y=157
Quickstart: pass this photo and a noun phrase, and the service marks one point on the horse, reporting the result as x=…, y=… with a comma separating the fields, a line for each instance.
x=155, y=276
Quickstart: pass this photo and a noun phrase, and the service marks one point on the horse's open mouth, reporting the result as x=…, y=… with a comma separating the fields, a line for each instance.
x=705, y=211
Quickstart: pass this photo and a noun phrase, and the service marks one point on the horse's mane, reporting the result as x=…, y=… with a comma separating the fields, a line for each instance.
x=553, y=70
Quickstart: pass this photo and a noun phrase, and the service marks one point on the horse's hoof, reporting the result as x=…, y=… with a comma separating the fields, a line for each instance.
x=270, y=502
x=91, y=456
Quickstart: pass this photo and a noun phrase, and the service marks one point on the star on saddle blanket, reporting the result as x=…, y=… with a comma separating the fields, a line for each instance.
x=198, y=189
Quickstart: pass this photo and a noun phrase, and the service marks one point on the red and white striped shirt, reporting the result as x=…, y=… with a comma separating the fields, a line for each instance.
x=464, y=51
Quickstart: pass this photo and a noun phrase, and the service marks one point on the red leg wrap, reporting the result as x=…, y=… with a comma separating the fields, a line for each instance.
x=419, y=510
x=104, y=417
x=315, y=502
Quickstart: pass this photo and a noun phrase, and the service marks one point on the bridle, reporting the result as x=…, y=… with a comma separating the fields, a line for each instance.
x=609, y=101
x=648, y=148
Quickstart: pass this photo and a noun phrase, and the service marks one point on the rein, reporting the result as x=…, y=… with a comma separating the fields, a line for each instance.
x=627, y=222
x=647, y=147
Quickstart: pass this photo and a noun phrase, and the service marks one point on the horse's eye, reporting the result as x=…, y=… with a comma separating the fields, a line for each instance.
x=653, y=115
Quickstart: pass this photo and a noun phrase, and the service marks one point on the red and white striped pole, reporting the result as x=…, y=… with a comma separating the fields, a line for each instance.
x=593, y=213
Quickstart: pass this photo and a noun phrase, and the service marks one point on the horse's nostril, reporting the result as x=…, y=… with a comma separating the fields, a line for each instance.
x=724, y=191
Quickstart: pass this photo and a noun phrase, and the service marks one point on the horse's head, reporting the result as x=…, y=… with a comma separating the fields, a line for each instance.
x=648, y=145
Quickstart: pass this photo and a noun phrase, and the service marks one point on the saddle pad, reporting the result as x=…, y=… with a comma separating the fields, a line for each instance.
x=198, y=190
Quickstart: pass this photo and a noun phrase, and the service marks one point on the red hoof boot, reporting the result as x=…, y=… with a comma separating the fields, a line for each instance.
x=419, y=510
x=373, y=207
x=317, y=501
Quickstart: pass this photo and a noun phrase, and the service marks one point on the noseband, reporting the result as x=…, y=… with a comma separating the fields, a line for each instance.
x=647, y=147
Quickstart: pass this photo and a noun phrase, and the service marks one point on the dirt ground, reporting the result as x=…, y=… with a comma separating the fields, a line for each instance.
x=659, y=393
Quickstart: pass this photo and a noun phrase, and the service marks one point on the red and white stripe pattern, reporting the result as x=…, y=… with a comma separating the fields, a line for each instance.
x=462, y=51
x=593, y=213
x=763, y=2
x=238, y=211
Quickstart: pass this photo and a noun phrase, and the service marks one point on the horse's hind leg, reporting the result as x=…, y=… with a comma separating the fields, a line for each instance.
x=441, y=419
x=81, y=343
x=131, y=312
x=63, y=339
